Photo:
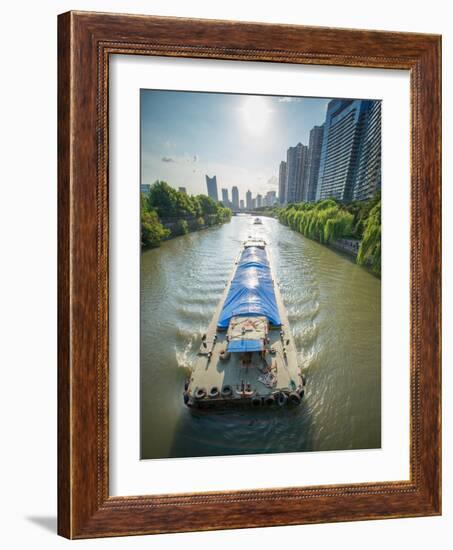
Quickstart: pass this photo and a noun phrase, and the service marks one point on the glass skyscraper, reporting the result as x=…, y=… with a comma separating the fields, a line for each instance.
x=282, y=183
x=225, y=199
x=235, y=197
x=314, y=157
x=368, y=180
x=296, y=165
x=248, y=199
x=350, y=154
x=212, y=188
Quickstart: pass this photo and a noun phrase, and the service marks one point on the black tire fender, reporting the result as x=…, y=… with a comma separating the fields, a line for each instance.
x=294, y=398
x=214, y=392
x=200, y=393
x=227, y=391
x=269, y=400
x=281, y=399
x=256, y=401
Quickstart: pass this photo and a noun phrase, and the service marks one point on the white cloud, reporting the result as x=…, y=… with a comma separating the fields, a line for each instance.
x=289, y=99
x=186, y=159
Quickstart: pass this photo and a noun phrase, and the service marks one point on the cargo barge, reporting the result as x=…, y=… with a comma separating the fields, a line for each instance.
x=247, y=356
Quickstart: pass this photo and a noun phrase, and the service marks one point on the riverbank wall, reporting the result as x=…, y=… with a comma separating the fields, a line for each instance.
x=348, y=246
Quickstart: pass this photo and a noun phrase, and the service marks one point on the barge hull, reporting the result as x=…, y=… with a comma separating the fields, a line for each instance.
x=268, y=378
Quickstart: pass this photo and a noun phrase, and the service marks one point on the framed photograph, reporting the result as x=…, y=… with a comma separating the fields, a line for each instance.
x=249, y=275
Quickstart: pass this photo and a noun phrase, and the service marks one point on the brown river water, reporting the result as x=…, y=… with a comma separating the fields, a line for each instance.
x=334, y=309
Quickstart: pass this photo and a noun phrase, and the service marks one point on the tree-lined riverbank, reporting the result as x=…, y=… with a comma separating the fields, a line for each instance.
x=327, y=221
x=167, y=213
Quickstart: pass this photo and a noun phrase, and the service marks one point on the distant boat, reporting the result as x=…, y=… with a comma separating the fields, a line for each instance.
x=257, y=221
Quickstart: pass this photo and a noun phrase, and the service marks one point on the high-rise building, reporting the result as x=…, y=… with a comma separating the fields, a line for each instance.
x=212, y=187
x=225, y=199
x=259, y=201
x=144, y=188
x=248, y=200
x=182, y=190
x=235, y=197
x=296, y=167
x=368, y=180
x=314, y=157
x=282, y=182
x=271, y=198
x=253, y=203
x=350, y=155
x=241, y=204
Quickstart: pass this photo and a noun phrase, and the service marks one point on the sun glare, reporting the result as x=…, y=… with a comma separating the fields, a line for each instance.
x=256, y=114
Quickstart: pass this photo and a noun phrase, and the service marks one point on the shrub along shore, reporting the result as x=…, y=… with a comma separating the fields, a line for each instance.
x=329, y=220
x=167, y=213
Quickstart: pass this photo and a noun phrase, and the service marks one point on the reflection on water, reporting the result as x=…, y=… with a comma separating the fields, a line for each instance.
x=334, y=312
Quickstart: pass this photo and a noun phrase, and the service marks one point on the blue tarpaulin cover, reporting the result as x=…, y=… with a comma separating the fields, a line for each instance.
x=251, y=292
x=245, y=345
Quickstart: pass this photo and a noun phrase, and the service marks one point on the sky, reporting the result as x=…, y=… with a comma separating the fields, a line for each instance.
x=239, y=138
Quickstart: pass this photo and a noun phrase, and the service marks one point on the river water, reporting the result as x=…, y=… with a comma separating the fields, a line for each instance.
x=334, y=312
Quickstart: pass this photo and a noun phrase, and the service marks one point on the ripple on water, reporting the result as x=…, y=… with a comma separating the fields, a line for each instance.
x=202, y=300
x=186, y=355
x=185, y=332
x=305, y=334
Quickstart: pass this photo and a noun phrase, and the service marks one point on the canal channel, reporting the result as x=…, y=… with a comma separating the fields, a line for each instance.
x=335, y=315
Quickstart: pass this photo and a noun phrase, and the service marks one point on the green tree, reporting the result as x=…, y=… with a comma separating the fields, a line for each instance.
x=152, y=231
x=339, y=226
x=181, y=228
x=184, y=206
x=328, y=220
x=163, y=199
x=208, y=206
x=186, y=212
x=370, y=247
x=361, y=211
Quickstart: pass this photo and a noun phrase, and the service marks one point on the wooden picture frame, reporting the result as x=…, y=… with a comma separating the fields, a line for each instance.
x=85, y=42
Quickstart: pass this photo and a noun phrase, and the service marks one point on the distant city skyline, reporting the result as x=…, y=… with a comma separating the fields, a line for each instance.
x=240, y=139
x=235, y=203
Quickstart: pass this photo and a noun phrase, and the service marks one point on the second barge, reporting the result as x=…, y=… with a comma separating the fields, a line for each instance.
x=248, y=355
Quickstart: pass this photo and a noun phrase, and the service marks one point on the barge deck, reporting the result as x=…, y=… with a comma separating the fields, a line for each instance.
x=248, y=355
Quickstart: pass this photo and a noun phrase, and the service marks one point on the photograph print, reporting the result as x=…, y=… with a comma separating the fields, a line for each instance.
x=260, y=288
